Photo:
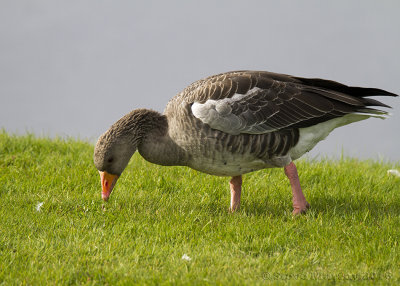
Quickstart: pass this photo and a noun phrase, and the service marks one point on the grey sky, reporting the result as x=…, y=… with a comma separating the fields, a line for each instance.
x=74, y=67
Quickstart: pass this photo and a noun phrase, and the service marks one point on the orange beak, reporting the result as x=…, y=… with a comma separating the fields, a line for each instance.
x=107, y=184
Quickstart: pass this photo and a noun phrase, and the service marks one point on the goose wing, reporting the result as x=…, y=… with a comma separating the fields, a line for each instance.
x=261, y=102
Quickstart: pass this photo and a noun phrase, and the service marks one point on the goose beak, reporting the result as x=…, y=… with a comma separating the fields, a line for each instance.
x=107, y=184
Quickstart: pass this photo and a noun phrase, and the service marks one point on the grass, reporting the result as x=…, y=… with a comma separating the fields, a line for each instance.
x=157, y=214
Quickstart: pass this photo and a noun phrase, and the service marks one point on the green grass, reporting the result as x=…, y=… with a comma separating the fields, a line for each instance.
x=157, y=214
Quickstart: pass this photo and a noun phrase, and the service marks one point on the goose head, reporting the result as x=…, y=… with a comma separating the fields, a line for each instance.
x=116, y=146
x=111, y=156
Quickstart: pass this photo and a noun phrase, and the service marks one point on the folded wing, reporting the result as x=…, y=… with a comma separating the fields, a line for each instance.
x=262, y=102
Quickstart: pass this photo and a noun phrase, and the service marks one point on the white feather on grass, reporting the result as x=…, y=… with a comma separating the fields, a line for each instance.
x=394, y=172
x=186, y=257
x=38, y=206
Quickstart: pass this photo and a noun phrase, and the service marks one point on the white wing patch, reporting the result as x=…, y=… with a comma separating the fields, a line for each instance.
x=218, y=113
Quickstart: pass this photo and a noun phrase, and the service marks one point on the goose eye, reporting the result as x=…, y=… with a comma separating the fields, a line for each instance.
x=110, y=160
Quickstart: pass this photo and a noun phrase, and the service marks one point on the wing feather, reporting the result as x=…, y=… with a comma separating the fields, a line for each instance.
x=261, y=102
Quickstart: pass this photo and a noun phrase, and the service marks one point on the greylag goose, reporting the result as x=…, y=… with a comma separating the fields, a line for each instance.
x=234, y=123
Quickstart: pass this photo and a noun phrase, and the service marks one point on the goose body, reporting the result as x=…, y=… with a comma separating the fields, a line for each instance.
x=234, y=123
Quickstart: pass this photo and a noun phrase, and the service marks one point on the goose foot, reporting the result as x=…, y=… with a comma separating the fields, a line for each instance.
x=300, y=208
x=300, y=205
x=236, y=189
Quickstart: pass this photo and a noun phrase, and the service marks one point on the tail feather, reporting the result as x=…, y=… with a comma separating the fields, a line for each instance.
x=350, y=90
x=374, y=102
x=372, y=112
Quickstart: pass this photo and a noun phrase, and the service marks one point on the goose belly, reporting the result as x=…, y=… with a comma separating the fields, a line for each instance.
x=226, y=160
x=219, y=153
x=228, y=164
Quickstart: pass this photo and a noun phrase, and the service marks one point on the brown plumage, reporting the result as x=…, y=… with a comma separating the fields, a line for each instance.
x=234, y=123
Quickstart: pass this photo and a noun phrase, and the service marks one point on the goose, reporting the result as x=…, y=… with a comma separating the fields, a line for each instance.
x=234, y=123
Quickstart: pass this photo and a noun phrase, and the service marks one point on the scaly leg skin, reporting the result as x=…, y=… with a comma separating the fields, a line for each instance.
x=300, y=205
x=236, y=189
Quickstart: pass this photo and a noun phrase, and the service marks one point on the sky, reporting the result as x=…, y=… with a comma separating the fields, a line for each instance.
x=72, y=68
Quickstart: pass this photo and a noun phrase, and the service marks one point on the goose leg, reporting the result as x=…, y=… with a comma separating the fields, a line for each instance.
x=300, y=205
x=236, y=189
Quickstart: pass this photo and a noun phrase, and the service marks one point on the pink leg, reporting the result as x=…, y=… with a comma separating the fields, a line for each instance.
x=300, y=205
x=236, y=189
